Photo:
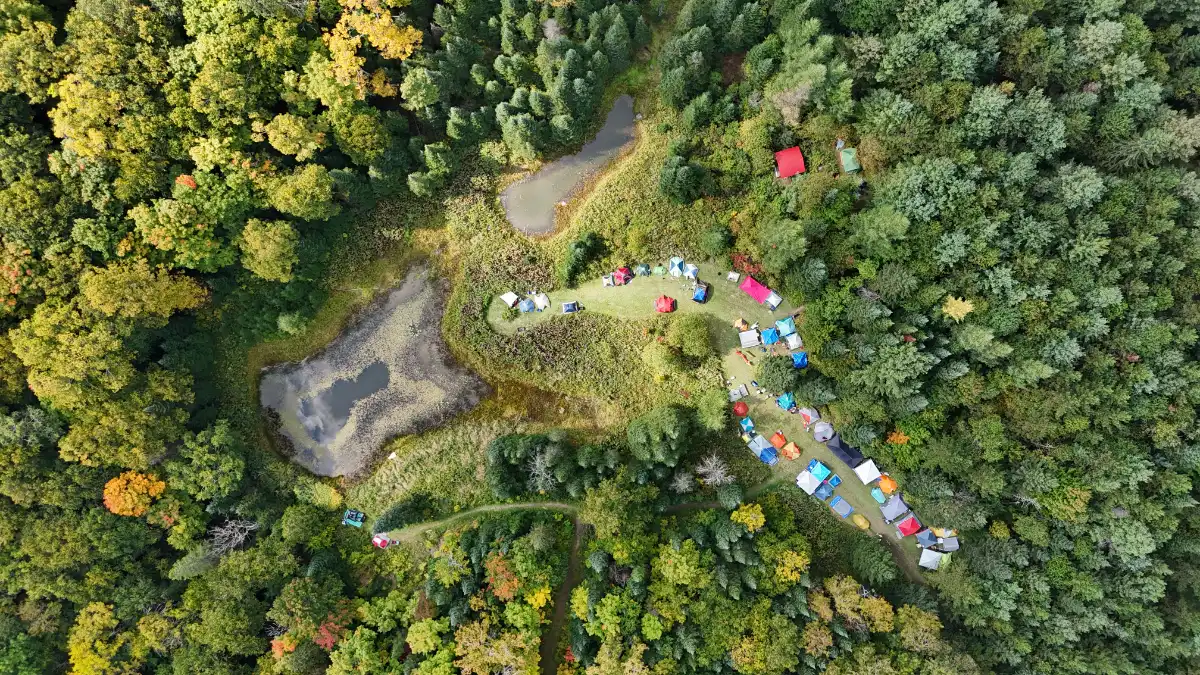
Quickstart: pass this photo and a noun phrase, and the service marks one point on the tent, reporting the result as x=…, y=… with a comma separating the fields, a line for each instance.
x=570, y=307
x=733, y=276
x=701, y=293
x=770, y=336
x=824, y=491
x=741, y=325
x=843, y=451
x=888, y=484
x=790, y=451
x=841, y=507
x=799, y=359
x=762, y=449
x=909, y=526
x=749, y=338
x=381, y=540
x=354, y=518
x=786, y=326
x=860, y=521
x=794, y=342
x=755, y=290
x=541, y=301
x=786, y=401
x=773, y=301
x=642, y=270
x=738, y=392
x=741, y=409
x=789, y=162
x=607, y=280
x=808, y=416
x=877, y=495
x=526, y=305
x=926, y=538
x=894, y=508
x=690, y=271
x=622, y=276
x=948, y=544
x=931, y=560
x=849, y=159
x=510, y=299
x=664, y=305
x=659, y=270
x=747, y=425
x=822, y=431
x=867, y=472
x=807, y=482
x=676, y=267
x=818, y=469
x=778, y=440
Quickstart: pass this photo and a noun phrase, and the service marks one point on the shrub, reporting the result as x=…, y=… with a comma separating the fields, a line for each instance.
x=776, y=374
x=417, y=508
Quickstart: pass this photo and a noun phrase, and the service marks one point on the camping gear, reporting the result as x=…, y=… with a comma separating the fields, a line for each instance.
x=808, y=416
x=741, y=325
x=622, y=276
x=642, y=270
x=867, y=472
x=770, y=336
x=700, y=295
x=834, y=480
x=893, y=508
x=909, y=526
x=786, y=401
x=818, y=469
x=741, y=409
x=888, y=484
x=738, y=392
x=747, y=425
x=843, y=451
x=799, y=359
x=841, y=507
x=526, y=305
x=848, y=157
x=676, y=267
x=570, y=307
x=510, y=299
x=824, y=491
x=931, y=560
x=778, y=440
x=822, y=431
x=877, y=495
x=790, y=451
x=733, y=276
x=948, y=544
x=354, y=518
x=789, y=162
x=794, y=342
x=541, y=301
x=807, y=482
x=608, y=280
x=926, y=538
x=664, y=305
x=748, y=338
x=786, y=326
x=690, y=271
x=381, y=540
x=860, y=521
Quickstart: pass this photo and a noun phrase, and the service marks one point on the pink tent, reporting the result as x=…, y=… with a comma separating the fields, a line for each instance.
x=755, y=290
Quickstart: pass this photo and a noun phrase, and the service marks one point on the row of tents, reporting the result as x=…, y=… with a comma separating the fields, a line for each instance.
x=790, y=162
x=783, y=331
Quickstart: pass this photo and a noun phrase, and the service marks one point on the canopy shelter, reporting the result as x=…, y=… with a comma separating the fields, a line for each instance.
x=931, y=560
x=526, y=305
x=794, y=342
x=926, y=538
x=510, y=299
x=807, y=482
x=948, y=544
x=541, y=301
x=642, y=270
x=741, y=325
x=909, y=526
x=749, y=338
x=570, y=307
x=877, y=495
x=608, y=280
x=747, y=425
x=789, y=162
x=733, y=276
x=824, y=491
x=844, y=451
x=848, y=157
x=778, y=440
x=739, y=392
x=622, y=276
x=888, y=484
x=700, y=294
x=690, y=271
x=818, y=469
x=790, y=451
x=786, y=401
x=741, y=409
x=786, y=326
x=770, y=336
x=755, y=290
x=799, y=359
x=841, y=507
x=893, y=508
x=867, y=472
x=808, y=416
x=675, y=267
x=822, y=431
x=773, y=301
x=664, y=305
x=660, y=271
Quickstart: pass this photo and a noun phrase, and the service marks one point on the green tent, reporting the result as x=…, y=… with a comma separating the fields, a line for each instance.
x=660, y=270
x=849, y=157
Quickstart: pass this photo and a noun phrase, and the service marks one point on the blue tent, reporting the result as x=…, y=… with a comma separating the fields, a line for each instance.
x=877, y=495
x=786, y=326
x=799, y=359
x=841, y=507
x=354, y=518
x=676, y=267
x=770, y=336
x=818, y=470
x=526, y=305
x=570, y=307
x=825, y=491
x=787, y=401
x=701, y=294
x=747, y=425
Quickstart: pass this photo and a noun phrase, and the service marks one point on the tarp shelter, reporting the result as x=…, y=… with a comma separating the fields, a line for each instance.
x=790, y=451
x=888, y=484
x=807, y=482
x=755, y=290
x=841, y=507
x=690, y=271
x=824, y=491
x=738, y=392
x=909, y=526
x=741, y=325
x=789, y=162
x=541, y=301
x=786, y=401
x=948, y=544
x=794, y=342
x=818, y=469
x=622, y=276
x=749, y=338
x=354, y=518
x=659, y=270
x=664, y=305
x=786, y=326
x=701, y=293
x=747, y=425
x=849, y=159
x=526, y=305
x=822, y=431
x=608, y=280
x=893, y=508
x=570, y=307
x=733, y=276
x=510, y=299
x=770, y=336
x=778, y=440
x=808, y=416
x=877, y=495
x=773, y=301
x=741, y=409
x=867, y=472
x=676, y=267
x=926, y=538
x=843, y=451
x=642, y=270
x=799, y=359
x=931, y=560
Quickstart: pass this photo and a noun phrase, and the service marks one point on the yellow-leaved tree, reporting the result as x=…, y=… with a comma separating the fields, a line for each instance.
x=132, y=493
x=374, y=21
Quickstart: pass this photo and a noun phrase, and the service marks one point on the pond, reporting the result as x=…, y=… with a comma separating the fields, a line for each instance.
x=530, y=203
x=387, y=374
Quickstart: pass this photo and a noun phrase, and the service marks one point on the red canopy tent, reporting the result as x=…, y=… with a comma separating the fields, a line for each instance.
x=789, y=162
x=622, y=276
x=664, y=305
x=755, y=290
x=909, y=526
x=741, y=409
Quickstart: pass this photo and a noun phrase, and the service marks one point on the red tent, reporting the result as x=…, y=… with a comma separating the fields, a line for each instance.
x=778, y=441
x=741, y=409
x=622, y=276
x=664, y=305
x=909, y=525
x=755, y=290
x=789, y=162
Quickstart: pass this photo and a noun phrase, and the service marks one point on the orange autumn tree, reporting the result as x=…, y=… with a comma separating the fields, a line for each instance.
x=132, y=493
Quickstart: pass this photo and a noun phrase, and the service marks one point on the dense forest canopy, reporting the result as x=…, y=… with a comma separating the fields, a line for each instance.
x=1002, y=308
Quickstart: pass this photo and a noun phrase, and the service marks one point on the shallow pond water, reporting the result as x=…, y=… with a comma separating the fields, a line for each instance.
x=530, y=202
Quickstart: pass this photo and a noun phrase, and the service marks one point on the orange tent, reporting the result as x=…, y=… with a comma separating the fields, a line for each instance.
x=778, y=441
x=888, y=484
x=790, y=451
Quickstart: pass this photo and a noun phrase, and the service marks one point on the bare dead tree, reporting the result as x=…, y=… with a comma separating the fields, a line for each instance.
x=714, y=471
x=541, y=472
x=683, y=483
x=230, y=535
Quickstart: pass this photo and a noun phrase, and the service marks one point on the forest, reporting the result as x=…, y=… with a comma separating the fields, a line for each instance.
x=1002, y=308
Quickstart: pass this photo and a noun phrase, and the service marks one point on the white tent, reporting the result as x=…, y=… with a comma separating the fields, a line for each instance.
x=822, y=431
x=930, y=559
x=759, y=443
x=510, y=299
x=608, y=280
x=794, y=342
x=734, y=277
x=749, y=338
x=738, y=393
x=807, y=482
x=541, y=301
x=867, y=472
x=773, y=301
x=690, y=271
x=808, y=416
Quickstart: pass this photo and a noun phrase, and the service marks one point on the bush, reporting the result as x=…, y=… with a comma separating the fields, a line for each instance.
x=716, y=240
x=416, y=509
x=776, y=374
x=730, y=496
x=580, y=252
x=689, y=334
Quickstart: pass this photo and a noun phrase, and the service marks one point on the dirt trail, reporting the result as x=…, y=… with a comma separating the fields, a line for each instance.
x=553, y=634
